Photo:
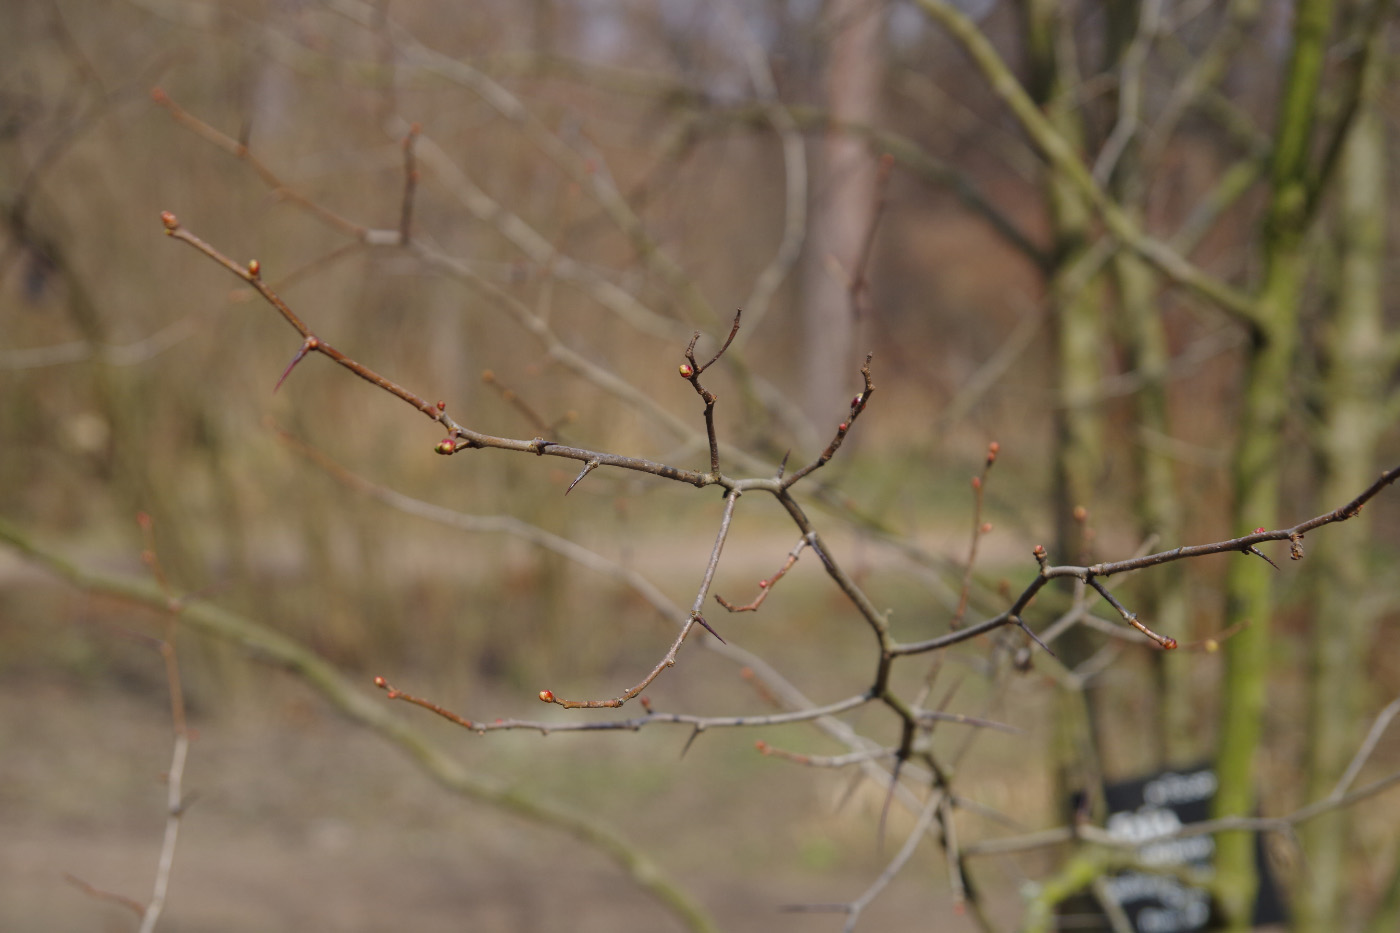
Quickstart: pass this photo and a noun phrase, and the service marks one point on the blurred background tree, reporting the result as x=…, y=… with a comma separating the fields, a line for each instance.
x=1142, y=244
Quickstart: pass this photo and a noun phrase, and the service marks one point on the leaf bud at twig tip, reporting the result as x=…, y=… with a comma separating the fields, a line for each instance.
x=993, y=449
x=254, y=268
x=686, y=370
x=646, y=703
x=977, y=482
x=1039, y=550
x=763, y=584
x=488, y=376
x=381, y=683
x=762, y=746
x=158, y=94
x=986, y=528
x=1169, y=644
x=143, y=520
x=170, y=220
x=547, y=696
x=446, y=446
x=1081, y=514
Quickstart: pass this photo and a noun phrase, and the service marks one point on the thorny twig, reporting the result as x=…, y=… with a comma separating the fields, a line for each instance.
x=765, y=586
x=460, y=439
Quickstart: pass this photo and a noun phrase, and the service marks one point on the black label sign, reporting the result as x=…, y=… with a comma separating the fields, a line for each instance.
x=1154, y=807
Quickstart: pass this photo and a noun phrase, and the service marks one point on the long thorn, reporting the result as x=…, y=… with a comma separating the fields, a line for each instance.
x=1035, y=638
x=307, y=345
x=1258, y=553
x=701, y=619
x=588, y=467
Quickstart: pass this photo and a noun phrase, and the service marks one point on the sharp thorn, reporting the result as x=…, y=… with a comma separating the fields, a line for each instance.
x=587, y=468
x=300, y=354
x=694, y=734
x=1258, y=553
x=701, y=619
x=885, y=809
x=1035, y=638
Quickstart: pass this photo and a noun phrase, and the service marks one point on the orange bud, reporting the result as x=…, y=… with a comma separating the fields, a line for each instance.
x=686, y=370
x=547, y=696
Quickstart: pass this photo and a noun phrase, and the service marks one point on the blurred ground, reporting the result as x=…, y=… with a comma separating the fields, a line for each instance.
x=312, y=824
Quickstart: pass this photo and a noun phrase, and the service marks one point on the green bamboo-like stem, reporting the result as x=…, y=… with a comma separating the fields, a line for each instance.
x=1077, y=345
x=1260, y=454
x=1062, y=154
x=1077, y=874
x=271, y=647
x=1163, y=597
x=1352, y=420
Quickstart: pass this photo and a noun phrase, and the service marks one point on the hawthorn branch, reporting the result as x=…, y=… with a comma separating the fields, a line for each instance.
x=765, y=586
x=669, y=660
x=1294, y=535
